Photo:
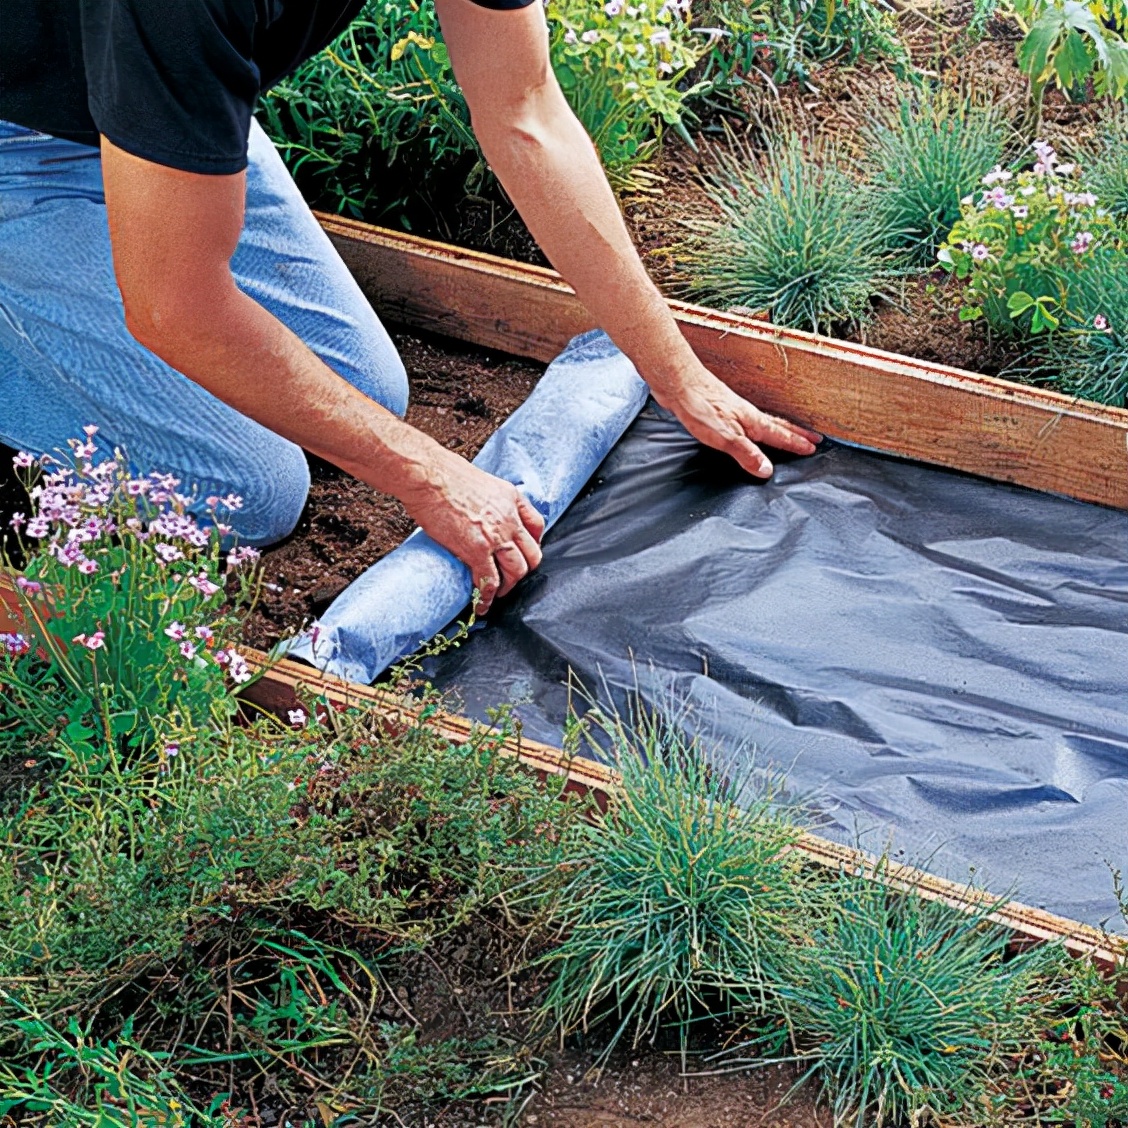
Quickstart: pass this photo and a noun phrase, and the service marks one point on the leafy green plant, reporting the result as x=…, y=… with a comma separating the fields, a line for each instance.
x=1024, y=244
x=1070, y=43
x=122, y=591
x=924, y=158
x=1077, y=1060
x=385, y=91
x=901, y=1004
x=796, y=236
x=682, y=893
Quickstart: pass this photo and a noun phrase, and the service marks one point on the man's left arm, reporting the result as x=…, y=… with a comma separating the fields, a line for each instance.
x=549, y=167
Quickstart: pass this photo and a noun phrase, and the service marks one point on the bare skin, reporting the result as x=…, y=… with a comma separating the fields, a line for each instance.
x=173, y=235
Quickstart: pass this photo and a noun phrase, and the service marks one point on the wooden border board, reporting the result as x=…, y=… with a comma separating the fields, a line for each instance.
x=891, y=403
x=284, y=683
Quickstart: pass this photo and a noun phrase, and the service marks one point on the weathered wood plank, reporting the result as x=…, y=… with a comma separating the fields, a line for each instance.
x=923, y=411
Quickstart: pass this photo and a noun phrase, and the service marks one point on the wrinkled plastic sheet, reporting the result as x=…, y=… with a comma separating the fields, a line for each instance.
x=549, y=448
x=939, y=663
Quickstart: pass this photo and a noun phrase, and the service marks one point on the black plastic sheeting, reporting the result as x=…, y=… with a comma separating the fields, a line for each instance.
x=939, y=662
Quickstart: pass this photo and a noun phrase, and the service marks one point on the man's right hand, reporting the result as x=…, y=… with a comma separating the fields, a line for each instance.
x=487, y=523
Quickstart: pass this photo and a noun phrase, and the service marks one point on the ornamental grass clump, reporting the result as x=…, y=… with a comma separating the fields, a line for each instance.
x=1024, y=242
x=796, y=237
x=123, y=595
x=1106, y=164
x=683, y=894
x=901, y=1004
x=923, y=159
x=1088, y=358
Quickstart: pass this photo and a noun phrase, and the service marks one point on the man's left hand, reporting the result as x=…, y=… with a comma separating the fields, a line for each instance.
x=716, y=416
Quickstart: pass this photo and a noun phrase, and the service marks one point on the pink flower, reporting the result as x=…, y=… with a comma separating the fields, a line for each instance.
x=242, y=555
x=661, y=37
x=1081, y=242
x=205, y=634
x=231, y=501
x=172, y=749
x=23, y=460
x=38, y=527
x=203, y=584
x=1020, y=211
x=297, y=717
x=175, y=630
x=613, y=7
x=998, y=175
x=187, y=649
x=168, y=552
x=570, y=36
x=92, y=642
x=15, y=644
x=90, y=430
x=1100, y=323
x=31, y=587
x=88, y=567
x=16, y=520
x=980, y=252
x=237, y=667
x=591, y=36
x=135, y=487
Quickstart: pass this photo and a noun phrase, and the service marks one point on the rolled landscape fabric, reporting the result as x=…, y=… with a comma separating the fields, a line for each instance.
x=548, y=448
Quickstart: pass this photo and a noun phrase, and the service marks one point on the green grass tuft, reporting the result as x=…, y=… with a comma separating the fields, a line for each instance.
x=678, y=899
x=901, y=1004
x=1106, y=167
x=796, y=237
x=923, y=159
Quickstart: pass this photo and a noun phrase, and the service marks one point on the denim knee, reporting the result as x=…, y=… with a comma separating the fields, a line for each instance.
x=274, y=488
x=366, y=356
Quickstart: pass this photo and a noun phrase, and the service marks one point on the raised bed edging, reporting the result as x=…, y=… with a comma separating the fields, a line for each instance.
x=927, y=412
x=284, y=683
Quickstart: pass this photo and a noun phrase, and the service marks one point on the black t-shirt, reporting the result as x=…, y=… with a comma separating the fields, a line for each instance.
x=172, y=81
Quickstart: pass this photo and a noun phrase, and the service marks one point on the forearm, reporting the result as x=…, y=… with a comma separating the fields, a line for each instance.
x=549, y=167
x=244, y=356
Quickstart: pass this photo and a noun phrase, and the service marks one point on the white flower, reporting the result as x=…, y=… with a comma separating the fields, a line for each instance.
x=297, y=717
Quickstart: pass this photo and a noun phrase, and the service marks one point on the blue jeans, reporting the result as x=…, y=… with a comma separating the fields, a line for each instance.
x=67, y=359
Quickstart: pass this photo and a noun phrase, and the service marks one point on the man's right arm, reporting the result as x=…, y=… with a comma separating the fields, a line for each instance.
x=173, y=235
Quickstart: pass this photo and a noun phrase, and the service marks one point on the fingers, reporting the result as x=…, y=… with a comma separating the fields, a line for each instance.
x=531, y=519
x=750, y=457
x=487, y=581
x=781, y=433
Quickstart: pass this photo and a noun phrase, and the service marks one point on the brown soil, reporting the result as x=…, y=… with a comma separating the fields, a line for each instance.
x=459, y=396
x=459, y=989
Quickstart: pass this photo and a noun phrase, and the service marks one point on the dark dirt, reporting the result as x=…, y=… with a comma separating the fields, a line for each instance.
x=460, y=989
x=459, y=396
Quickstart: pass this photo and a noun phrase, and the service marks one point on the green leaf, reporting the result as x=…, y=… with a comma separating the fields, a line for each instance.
x=1034, y=50
x=77, y=731
x=1074, y=59
x=1019, y=302
x=970, y=313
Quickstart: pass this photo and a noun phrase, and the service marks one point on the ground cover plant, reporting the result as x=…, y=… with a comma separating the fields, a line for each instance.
x=213, y=919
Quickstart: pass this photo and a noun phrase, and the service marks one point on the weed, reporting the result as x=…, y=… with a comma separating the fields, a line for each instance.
x=923, y=159
x=783, y=40
x=797, y=237
x=678, y=897
x=901, y=1004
